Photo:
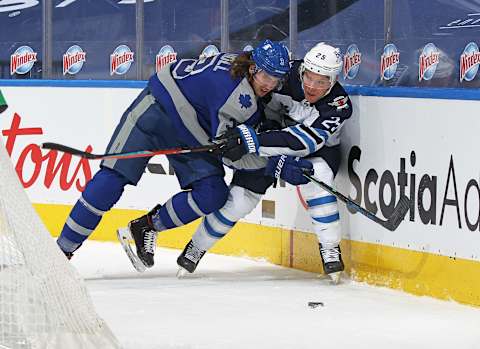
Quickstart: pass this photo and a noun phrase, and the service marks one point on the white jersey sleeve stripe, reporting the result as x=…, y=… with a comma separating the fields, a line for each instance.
x=304, y=138
x=320, y=133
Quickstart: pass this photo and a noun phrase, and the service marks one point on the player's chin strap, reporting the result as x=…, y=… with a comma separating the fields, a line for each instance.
x=391, y=223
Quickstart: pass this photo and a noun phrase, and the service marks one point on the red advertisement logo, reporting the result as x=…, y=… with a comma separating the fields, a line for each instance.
x=57, y=165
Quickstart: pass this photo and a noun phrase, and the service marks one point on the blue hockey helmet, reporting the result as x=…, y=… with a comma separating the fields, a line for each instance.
x=272, y=57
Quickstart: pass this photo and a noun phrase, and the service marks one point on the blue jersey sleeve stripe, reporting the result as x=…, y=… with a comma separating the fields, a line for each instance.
x=311, y=132
x=321, y=133
x=321, y=201
x=305, y=138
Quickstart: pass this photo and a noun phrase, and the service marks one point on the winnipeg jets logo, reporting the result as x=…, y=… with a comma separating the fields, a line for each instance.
x=245, y=101
x=340, y=102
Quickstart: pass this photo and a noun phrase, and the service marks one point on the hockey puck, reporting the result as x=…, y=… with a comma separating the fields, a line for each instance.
x=315, y=304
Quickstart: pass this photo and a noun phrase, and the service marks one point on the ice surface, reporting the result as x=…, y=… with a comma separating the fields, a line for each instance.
x=237, y=303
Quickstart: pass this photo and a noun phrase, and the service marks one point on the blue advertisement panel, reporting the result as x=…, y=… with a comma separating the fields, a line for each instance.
x=410, y=43
x=103, y=30
x=178, y=29
x=20, y=39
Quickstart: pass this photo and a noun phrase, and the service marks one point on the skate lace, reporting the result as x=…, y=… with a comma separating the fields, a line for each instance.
x=330, y=254
x=193, y=253
x=150, y=241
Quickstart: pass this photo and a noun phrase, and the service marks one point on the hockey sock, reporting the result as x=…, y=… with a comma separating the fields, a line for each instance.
x=216, y=225
x=213, y=227
x=100, y=194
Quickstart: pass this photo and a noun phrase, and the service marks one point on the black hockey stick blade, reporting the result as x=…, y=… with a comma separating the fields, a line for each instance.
x=132, y=154
x=398, y=214
x=391, y=223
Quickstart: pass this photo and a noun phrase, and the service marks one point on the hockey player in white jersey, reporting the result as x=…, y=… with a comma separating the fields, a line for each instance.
x=311, y=109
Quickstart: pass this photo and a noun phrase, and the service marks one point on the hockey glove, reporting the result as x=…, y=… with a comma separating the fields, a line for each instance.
x=289, y=168
x=237, y=142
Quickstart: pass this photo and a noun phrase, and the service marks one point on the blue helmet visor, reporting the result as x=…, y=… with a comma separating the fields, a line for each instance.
x=265, y=80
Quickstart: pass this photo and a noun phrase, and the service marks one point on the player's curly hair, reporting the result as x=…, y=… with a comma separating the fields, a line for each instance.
x=241, y=64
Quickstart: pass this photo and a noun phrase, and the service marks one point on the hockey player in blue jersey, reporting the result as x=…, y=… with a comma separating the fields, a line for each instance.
x=310, y=111
x=188, y=103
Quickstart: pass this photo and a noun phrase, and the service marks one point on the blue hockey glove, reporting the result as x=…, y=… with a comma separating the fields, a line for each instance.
x=237, y=142
x=289, y=168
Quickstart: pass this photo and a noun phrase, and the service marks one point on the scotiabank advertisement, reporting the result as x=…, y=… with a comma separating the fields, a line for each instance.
x=427, y=150
x=423, y=148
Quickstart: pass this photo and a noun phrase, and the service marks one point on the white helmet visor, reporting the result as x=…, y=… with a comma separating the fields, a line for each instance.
x=315, y=81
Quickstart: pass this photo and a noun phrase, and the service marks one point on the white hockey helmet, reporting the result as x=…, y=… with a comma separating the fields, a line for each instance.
x=323, y=59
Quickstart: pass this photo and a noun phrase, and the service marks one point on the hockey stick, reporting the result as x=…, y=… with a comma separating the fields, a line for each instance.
x=131, y=154
x=391, y=223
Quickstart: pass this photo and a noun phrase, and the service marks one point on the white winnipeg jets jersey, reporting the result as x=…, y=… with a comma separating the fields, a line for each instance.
x=306, y=128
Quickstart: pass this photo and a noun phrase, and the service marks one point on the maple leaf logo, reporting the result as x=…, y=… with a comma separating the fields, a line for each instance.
x=245, y=101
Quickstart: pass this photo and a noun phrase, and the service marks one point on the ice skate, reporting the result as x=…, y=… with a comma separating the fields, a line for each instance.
x=69, y=255
x=142, y=232
x=125, y=237
x=332, y=262
x=189, y=259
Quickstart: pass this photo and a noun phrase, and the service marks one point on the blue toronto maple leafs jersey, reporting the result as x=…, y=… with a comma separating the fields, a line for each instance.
x=202, y=98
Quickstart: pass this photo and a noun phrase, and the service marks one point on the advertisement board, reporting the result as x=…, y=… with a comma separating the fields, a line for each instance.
x=424, y=148
x=421, y=147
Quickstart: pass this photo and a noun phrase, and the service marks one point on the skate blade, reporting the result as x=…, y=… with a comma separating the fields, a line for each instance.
x=182, y=273
x=124, y=236
x=335, y=277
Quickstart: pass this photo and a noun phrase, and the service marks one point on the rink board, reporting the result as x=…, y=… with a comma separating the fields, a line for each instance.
x=419, y=273
x=423, y=147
